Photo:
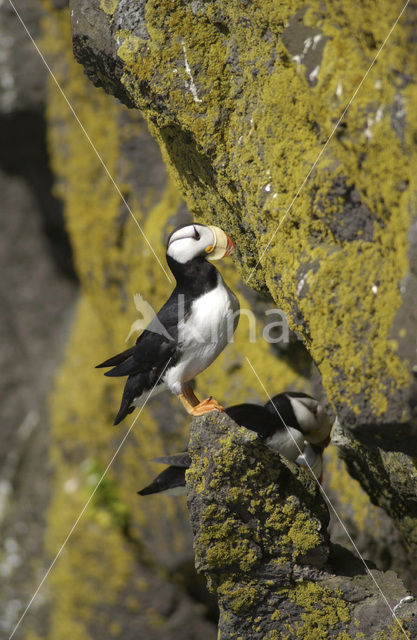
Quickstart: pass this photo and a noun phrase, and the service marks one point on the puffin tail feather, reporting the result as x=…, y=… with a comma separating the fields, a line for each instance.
x=116, y=360
x=123, y=412
x=170, y=478
x=134, y=388
x=126, y=368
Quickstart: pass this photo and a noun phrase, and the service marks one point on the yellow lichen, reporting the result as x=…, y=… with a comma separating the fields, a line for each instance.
x=108, y=6
x=322, y=610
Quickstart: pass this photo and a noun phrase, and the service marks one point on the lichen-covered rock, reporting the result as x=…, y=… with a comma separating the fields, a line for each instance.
x=242, y=98
x=260, y=539
x=369, y=526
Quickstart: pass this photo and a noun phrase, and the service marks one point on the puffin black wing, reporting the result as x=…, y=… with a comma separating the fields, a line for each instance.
x=144, y=363
x=150, y=350
x=115, y=360
x=156, y=344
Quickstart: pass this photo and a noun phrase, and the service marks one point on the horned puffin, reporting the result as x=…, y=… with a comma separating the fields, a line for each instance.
x=191, y=329
x=293, y=423
x=305, y=413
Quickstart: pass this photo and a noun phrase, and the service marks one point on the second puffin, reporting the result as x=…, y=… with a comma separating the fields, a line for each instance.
x=190, y=330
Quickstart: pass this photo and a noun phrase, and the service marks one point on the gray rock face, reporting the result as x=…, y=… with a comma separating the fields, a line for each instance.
x=22, y=76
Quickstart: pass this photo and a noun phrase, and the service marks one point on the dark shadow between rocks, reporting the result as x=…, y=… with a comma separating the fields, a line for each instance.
x=23, y=152
x=390, y=436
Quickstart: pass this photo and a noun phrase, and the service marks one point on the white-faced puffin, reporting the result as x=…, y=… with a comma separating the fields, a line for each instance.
x=293, y=424
x=305, y=413
x=190, y=330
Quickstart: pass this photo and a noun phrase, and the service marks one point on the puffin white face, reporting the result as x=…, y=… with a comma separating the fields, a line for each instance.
x=311, y=417
x=199, y=240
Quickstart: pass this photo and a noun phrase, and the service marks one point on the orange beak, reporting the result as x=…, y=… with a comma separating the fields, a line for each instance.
x=230, y=247
x=223, y=244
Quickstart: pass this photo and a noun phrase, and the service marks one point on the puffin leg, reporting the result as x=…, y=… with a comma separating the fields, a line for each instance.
x=186, y=403
x=196, y=408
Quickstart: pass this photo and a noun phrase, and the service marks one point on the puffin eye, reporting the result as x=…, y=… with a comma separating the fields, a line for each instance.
x=196, y=234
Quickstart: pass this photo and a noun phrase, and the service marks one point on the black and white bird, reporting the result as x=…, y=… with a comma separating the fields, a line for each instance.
x=293, y=424
x=190, y=330
x=304, y=413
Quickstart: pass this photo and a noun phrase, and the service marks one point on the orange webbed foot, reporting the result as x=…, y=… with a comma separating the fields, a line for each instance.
x=206, y=406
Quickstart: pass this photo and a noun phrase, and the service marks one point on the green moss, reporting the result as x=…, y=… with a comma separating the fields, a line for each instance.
x=106, y=504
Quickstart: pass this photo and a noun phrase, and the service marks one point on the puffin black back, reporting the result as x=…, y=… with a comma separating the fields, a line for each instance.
x=254, y=417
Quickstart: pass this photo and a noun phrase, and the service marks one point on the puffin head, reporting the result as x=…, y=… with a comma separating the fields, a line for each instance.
x=199, y=241
x=311, y=417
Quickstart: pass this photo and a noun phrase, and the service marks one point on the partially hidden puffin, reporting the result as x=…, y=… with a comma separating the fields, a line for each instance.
x=305, y=413
x=294, y=424
x=190, y=330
